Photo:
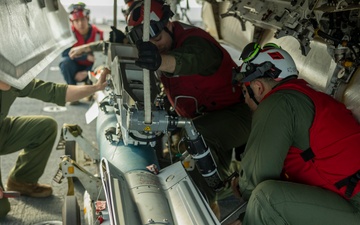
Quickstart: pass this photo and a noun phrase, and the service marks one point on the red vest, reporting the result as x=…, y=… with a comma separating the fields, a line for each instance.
x=334, y=140
x=96, y=35
x=211, y=92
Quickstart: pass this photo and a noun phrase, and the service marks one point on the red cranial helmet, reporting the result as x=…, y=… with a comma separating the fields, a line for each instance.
x=160, y=14
x=78, y=11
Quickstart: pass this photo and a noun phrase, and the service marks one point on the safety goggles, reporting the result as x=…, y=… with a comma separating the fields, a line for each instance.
x=250, y=52
x=136, y=33
x=270, y=46
x=76, y=7
x=265, y=69
x=253, y=71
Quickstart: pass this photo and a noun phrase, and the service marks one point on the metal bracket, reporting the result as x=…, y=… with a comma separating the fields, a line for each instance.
x=85, y=144
x=91, y=183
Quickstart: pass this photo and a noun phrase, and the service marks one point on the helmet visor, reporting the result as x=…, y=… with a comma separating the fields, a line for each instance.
x=250, y=52
x=136, y=33
x=76, y=7
x=265, y=69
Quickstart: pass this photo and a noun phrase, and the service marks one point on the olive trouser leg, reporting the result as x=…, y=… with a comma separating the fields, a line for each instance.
x=222, y=131
x=4, y=203
x=280, y=202
x=36, y=136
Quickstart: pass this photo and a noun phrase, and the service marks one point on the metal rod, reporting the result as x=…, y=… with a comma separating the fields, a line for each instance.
x=233, y=212
x=115, y=13
x=146, y=73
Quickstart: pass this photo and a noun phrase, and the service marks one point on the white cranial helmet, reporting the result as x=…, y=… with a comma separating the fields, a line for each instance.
x=270, y=61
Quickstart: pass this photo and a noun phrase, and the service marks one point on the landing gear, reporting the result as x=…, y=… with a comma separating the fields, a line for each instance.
x=71, y=211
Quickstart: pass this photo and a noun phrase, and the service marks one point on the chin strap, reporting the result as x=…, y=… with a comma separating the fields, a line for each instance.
x=251, y=92
x=171, y=35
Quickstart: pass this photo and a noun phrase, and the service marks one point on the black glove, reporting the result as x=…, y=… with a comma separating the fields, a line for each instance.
x=116, y=36
x=149, y=56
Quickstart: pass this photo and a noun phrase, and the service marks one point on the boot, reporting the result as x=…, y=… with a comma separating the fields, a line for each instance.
x=35, y=190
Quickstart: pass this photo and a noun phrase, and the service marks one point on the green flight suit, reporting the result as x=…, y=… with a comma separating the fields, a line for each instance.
x=282, y=120
x=35, y=135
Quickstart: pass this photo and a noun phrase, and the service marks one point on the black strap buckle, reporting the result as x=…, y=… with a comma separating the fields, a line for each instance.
x=307, y=155
x=350, y=182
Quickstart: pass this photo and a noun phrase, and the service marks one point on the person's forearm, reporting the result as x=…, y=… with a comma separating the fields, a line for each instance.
x=96, y=46
x=93, y=46
x=79, y=51
x=87, y=48
x=76, y=92
x=168, y=63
